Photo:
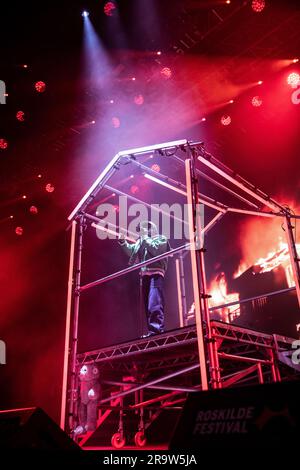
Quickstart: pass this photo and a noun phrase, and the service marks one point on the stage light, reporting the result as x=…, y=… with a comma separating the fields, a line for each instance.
x=293, y=79
x=33, y=210
x=133, y=79
x=131, y=176
x=19, y=231
x=85, y=14
x=93, y=122
x=295, y=61
x=258, y=5
x=231, y=101
x=134, y=189
x=155, y=167
x=20, y=116
x=24, y=196
x=166, y=72
x=116, y=122
x=3, y=144
x=158, y=53
x=203, y=119
x=109, y=8
x=228, y=2
x=39, y=176
x=116, y=208
x=139, y=100
x=25, y=66
x=40, y=86
x=225, y=120
x=256, y=101
x=11, y=216
x=111, y=101
x=49, y=188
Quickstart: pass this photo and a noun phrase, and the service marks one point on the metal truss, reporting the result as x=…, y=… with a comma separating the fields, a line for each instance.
x=224, y=354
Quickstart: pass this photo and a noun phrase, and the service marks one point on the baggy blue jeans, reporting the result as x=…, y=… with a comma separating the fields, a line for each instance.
x=153, y=293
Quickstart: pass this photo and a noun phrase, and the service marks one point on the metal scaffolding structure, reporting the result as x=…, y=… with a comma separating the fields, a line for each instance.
x=216, y=342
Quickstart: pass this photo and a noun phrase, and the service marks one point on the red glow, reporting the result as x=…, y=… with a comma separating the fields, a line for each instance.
x=293, y=79
x=33, y=210
x=258, y=5
x=24, y=197
x=116, y=122
x=295, y=61
x=40, y=86
x=134, y=189
x=155, y=167
x=158, y=53
x=20, y=116
x=116, y=208
x=3, y=144
x=39, y=176
x=25, y=66
x=109, y=8
x=225, y=120
x=139, y=100
x=166, y=72
x=260, y=82
x=256, y=101
x=19, y=231
x=203, y=119
x=49, y=188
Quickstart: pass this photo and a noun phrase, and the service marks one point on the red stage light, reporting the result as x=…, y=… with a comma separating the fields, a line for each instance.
x=203, y=119
x=155, y=167
x=158, y=53
x=295, y=61
x=19, y=231
x=225, y=120
x=134, y=189
x=258, y=5
x=49, y=188
x=109, y=8
x=20, y=116
x=116, y=122
x=33, y=210
x=40, y=86
x=260, y=82
x=25, y=66
x=139, y=100
x=24, y=197
x=111, y=101
x=166, y=72
x=256, y=101
x=293, y=79
x=3, y=144
x=39, y=176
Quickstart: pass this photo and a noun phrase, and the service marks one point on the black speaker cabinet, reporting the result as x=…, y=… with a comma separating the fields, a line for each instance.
x=32, y=428
x=262, y=416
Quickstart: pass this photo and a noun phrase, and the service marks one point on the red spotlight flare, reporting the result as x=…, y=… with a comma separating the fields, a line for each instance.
x=134, y=189
x=256, y=101
x=33, y=210
x=258, y=5
x=116, y=208
x=109, y=8
x=40, y=86
x=166, y=72
x=20, y=116
x=3, y=144
x=116, y=122
x=225, y=120
x=155, y=167
x=49, y=188
x=19, y=231
x=139, y=100
x=293, y=79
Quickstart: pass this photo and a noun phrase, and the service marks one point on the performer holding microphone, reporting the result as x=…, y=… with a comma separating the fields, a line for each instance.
x=149, y=245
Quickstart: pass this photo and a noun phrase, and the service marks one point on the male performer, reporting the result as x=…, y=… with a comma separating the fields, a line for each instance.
x=149, y=245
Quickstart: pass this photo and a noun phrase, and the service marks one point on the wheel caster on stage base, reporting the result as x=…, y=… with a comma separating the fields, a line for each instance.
x=118, y=440
x=140, y=439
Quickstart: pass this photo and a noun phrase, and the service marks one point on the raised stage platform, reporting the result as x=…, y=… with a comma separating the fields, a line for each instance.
x=145, y=382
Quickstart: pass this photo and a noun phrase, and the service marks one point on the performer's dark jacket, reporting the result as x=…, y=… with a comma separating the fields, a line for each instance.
x=143, y=250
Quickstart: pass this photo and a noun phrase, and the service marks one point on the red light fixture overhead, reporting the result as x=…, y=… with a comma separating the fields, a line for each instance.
x=49, y=188
x=258, y=5
x=19, y=231
x=166, y=72
x=256, y=101
x=3, y=144
x=40, y=86
x=109, y=8
x=225, y=120
x=33, y=210
x=293, y=79
x=20, y=116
